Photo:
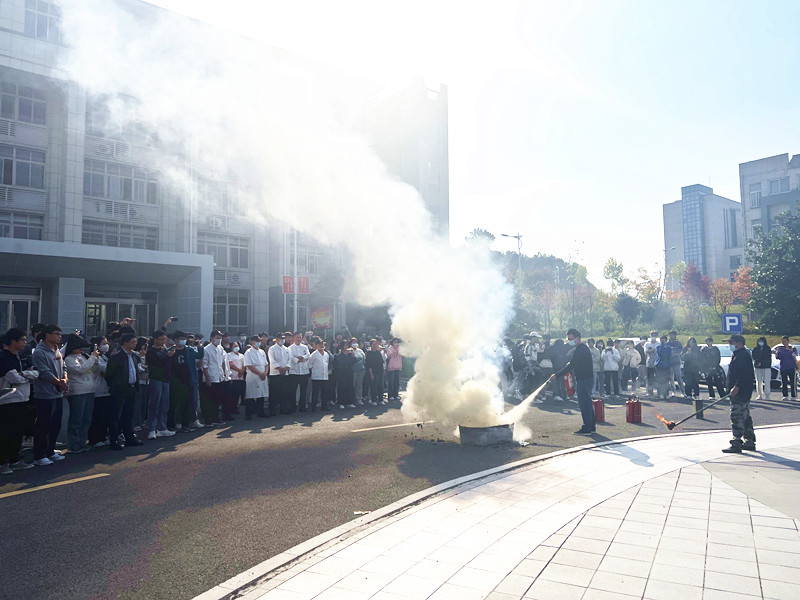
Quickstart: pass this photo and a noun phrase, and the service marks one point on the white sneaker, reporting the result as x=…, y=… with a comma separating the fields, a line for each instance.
x=57, y=456
x=351, y=406
x=6, y=470
x=151, y=435
x=341, y=407
x=42, y=462
x=197, y=425
x=137, y=428
x=558, y=398
x=373, y=404
x=178, y=427
x=785, y=398
x=165, y=433
x=359, y=403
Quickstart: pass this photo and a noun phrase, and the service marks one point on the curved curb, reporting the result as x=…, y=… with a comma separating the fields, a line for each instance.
x=229, y=590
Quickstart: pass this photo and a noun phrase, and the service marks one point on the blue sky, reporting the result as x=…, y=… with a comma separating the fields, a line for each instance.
x=570, y=122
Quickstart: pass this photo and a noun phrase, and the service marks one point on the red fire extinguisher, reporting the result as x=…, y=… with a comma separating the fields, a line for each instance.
x=633, y=410
x=569, y=382
x=599, y=410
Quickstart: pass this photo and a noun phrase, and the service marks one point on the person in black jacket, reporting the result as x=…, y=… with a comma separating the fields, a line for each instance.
x=762, y=363
x=122, y=376
x=741, y=379
x=715, y=376
x=581, y=366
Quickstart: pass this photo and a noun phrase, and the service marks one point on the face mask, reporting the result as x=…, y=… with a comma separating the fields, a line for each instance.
x=760, y=343
x=256, y=344
x=216, y=342
x=104, y=348
x=181, y=343
x=235, y=349
x=570, y=342
x=732, y=347
x=354, y=345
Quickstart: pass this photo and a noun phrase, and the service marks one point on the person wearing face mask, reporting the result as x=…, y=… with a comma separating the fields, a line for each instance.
x=740, y=382
x=256, y=382
x=630, y=367
x=762, y=362
x=242, y=342
x=359, y=371
x=98, y=429
x=787, y=355
x=299, y=373
x=651, y=357
x=236, y=385
x=611, y=362
x=159, y=362
x=580, y=364
x=279, y=358
x=182, y=414
x=715, y=376
x=596, y=350
x=215, y=374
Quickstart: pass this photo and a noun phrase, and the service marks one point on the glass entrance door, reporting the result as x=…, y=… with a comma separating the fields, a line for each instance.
x=101, y=312
x=18, y=311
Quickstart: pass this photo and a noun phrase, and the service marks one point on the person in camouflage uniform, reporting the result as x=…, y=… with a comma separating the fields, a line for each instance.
x=741, y=382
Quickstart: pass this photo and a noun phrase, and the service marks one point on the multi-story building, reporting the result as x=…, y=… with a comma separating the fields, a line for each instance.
x=91, y=231
x=704, y=229
x=768, y=187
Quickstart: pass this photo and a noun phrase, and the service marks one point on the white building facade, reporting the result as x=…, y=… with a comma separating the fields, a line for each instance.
x=768, y=187
x=91, y=232
x=704, y=229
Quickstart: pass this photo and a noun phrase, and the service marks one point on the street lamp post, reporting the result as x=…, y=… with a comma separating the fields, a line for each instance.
x=517, y=237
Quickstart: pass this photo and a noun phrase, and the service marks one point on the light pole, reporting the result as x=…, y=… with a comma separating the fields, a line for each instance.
x=517, y=237
x=666, y=271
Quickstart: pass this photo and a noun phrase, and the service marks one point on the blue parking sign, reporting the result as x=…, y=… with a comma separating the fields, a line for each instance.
x=732, y=323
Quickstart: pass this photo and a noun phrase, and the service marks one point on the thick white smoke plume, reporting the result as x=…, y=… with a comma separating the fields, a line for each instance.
x=242, y=111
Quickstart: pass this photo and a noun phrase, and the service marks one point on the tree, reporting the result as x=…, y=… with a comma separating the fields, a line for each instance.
x=613, y=271
x=627, y=307
x=648, y=288
x=722, y=295
x=775, y=257
x=480, y=237
x=743, y=284
x=659, y=315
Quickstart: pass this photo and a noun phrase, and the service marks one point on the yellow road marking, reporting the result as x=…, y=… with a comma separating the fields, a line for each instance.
x=390, y=426
x=52, y=485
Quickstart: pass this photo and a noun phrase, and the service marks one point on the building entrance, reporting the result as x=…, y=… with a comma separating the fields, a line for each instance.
x=19, y=307
x=101, y=309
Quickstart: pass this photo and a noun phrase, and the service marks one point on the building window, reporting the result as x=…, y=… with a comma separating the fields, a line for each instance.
x=42, y=20
x=755, y=195
x=731, y=229
x=231, y=309
x=779, y=186
x=228, y=250
x=736, y=262
x=22, y=226
x=119, y=182
x=120, y=235
x=22, y=167
x=23, y=103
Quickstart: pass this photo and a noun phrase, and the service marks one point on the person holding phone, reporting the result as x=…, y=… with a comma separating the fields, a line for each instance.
x=159, y=362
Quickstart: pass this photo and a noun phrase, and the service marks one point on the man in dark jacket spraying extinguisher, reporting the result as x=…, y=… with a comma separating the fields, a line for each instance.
x=581, y=367
x=741, y=379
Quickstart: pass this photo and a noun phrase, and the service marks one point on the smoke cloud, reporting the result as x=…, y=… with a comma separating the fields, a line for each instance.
x=236, y=110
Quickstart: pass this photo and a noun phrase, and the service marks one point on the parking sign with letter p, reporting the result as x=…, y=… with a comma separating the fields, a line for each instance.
x=732, y=323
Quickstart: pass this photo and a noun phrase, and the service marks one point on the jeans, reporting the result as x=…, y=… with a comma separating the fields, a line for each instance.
x=763, y=382
x=393, y=379
x=584, y=390
x=597, y=387
x=80, y=417
x=141, y=404
x=358, y=384
x=612, y=382
x=47, y=426
x=376, y=387
x=676, y=374
x=158, y=405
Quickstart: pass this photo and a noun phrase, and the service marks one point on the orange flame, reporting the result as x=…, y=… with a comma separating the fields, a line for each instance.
x=663, y=420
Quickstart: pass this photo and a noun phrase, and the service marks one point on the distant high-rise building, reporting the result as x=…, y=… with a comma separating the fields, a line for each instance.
x=768, y=186
x=704, y=229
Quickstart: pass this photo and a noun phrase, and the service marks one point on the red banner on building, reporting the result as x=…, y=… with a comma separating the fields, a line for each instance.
x=288, y=284
x=303, y=285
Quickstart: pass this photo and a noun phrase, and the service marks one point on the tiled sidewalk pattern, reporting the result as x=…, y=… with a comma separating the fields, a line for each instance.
x=634, y=520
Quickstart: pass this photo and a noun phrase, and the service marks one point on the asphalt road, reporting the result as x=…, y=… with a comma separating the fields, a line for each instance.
x=179, y=515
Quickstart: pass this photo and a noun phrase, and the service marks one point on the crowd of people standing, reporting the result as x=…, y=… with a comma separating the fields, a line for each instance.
x=119, y=385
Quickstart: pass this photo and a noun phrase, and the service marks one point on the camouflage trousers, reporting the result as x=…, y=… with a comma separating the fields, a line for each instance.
x=741, y=423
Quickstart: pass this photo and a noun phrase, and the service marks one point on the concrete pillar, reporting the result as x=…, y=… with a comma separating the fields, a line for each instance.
x=70, y=304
